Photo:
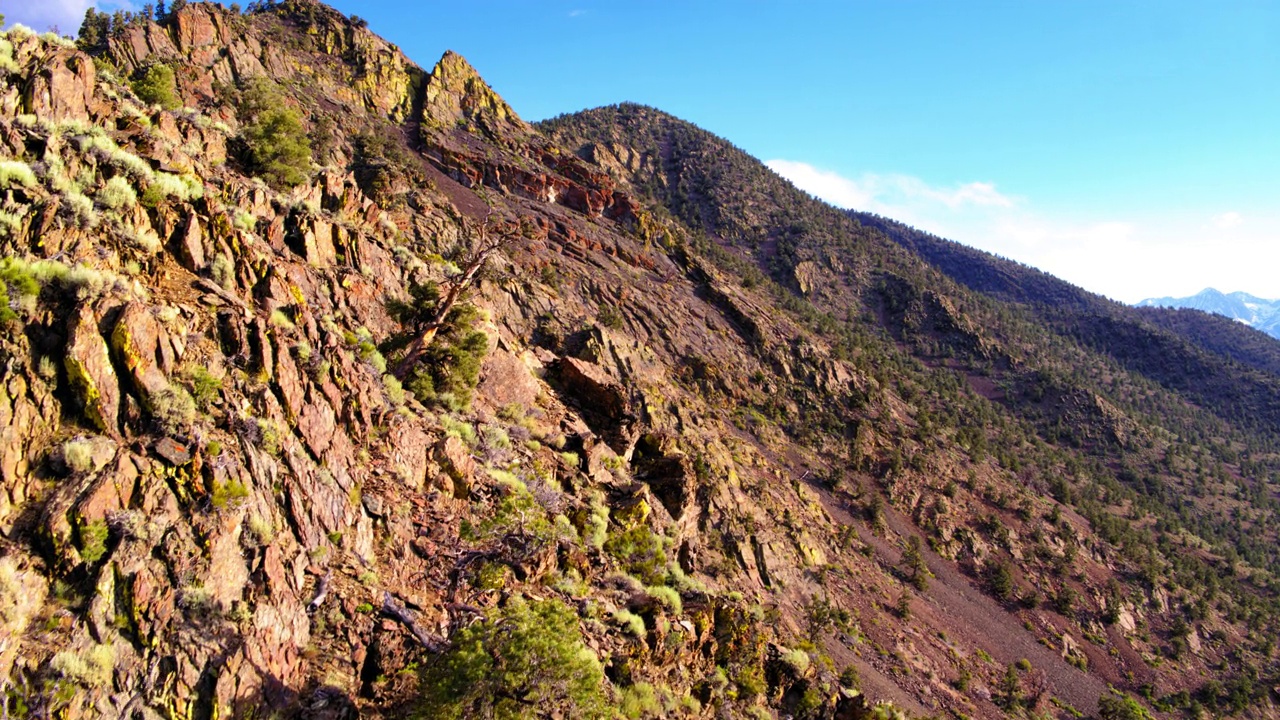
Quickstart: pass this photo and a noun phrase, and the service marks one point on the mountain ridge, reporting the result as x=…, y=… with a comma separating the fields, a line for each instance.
x=749, y=455
x=1243, y=307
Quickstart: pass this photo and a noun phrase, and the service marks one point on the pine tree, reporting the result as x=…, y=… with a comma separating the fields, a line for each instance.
x=913, y=558
x=1010, y=687
x=94, y=31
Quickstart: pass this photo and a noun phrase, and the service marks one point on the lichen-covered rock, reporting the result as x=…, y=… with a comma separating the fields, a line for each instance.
x=142, y=347
x=89, y=370
x=456, y=95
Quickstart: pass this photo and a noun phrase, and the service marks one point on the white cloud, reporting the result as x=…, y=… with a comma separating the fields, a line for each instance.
x=975, y=193
x=42, y=15
x=886, y=194
x=1227, y=220
x=1127, y=258
x=832, y=187
x=65, y=15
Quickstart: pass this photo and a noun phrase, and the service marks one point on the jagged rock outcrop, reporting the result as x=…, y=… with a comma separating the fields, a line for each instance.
x=455, y=95
x=62, y=87
x=213, y=47
x=225, y=489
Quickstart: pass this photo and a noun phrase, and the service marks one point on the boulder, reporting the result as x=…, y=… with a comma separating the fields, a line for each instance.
x=173, y=451
x=605, y=403
x=63, y=88
x=505, y=379
x=141, y=345
x=594, y=389
x=191, y=246
x=456, y=461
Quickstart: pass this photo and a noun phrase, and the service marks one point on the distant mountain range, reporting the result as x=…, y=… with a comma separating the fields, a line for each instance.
x=1251, y=310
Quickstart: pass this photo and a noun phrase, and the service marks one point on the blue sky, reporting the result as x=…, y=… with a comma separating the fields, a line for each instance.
x=1130, y=147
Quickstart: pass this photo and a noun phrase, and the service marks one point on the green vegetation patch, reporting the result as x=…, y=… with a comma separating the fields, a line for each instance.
x=524, y=660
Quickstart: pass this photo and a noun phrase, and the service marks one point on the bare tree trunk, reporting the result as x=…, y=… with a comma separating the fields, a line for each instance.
x=481, y=250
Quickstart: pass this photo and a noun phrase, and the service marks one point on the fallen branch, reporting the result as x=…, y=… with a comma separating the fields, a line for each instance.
x=394, y=610
x=322, y=591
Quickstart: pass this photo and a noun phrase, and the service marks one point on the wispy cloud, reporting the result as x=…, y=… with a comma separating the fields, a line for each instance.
x=876, y=193
x=825, y=184
x=1227, y=220
x=1127, y=258
x=577, y=13
x=64, y=15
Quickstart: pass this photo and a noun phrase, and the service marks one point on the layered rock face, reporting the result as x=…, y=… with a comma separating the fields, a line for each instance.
x=217, y=496
x=269, y=450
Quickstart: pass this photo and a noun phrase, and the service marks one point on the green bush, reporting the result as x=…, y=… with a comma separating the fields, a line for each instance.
x=798, y=660
x=491, y=576
x=667, y=596
x=118, y=194
x=244, y=220
x=609, y=317
x=228, y=493
x=223, y=270
x=525, y=660
x=395, y=391
x=640, y=701
x=641, y=552
x=1119, y=707
x=90, y=668
x=1001, y=581
x=278, y=149
x=10, y=223
x=16, y=278
x=1064, y=600
x=7, y=63
x=80, y=209
x=631, y=622
x=173, y=410
x=93, y=541
x=460, y=429
x=750, y=682
x=450, y=369
x=595, y=530
x=518, y=512
x=77, y=454
x=204, y=385
x=163, y=186
x=156, y=86
x=16, y=172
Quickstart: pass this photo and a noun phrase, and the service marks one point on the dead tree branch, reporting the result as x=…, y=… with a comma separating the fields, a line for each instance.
x=394, y=610
x=487, y=238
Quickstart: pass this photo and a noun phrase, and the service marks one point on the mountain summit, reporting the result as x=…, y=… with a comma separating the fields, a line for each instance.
x=332, y=388
x=1249, y=309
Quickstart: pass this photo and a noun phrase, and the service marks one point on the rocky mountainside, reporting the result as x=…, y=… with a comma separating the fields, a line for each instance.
x=1249, y=309
x=332, y=388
